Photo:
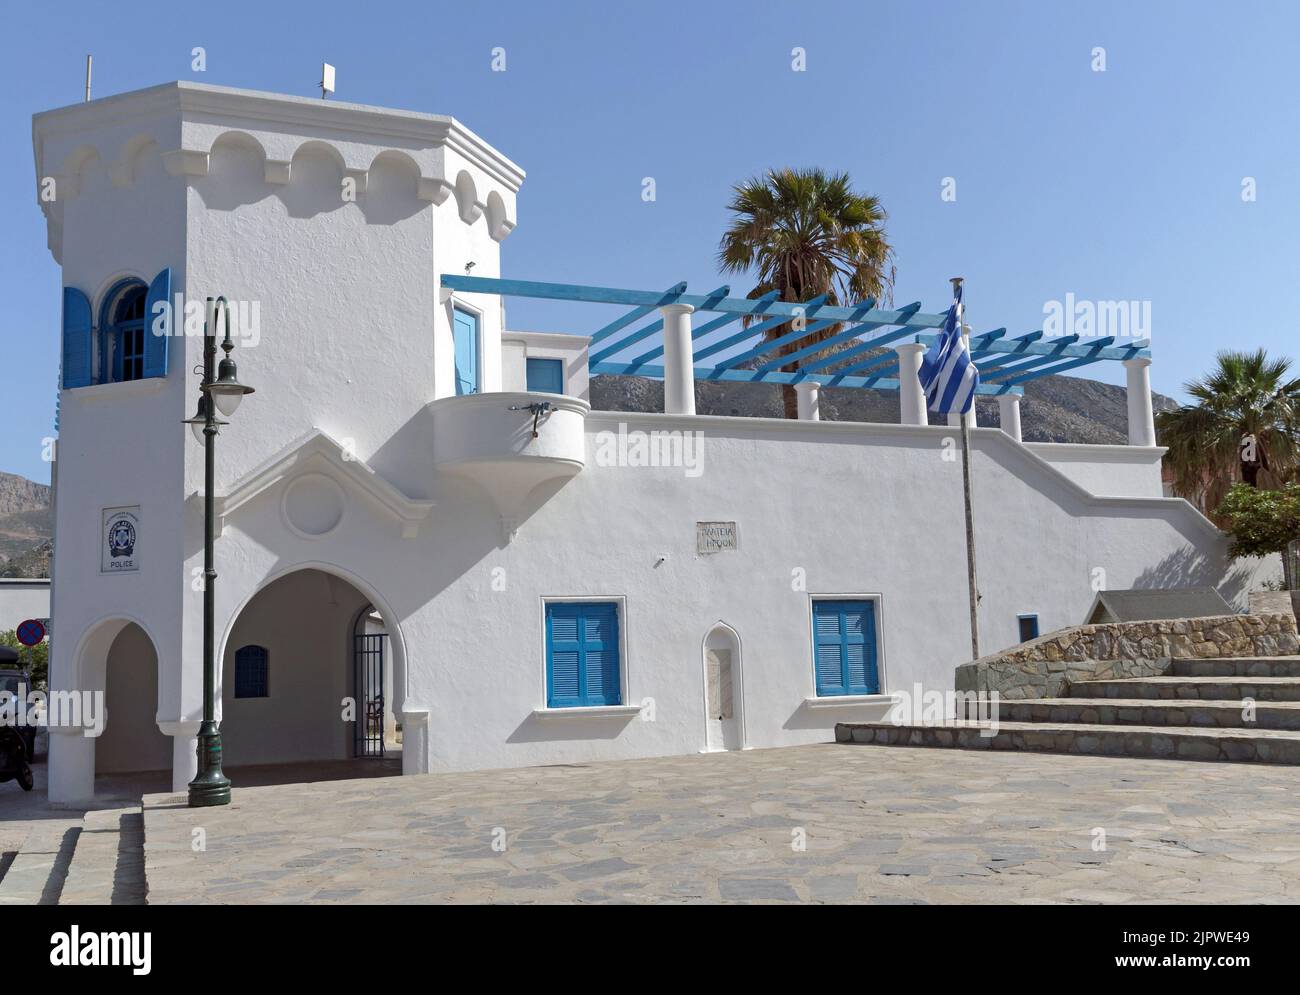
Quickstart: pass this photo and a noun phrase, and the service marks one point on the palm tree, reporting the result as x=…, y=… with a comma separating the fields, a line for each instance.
x=805, y=232
x=1246, y=394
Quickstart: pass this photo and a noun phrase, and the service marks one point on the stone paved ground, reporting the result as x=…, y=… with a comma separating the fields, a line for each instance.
x=882, y=824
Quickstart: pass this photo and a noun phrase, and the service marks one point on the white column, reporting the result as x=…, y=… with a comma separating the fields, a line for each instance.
x=911, y=399
x=679, y=357
x=810, y=400
x=1141, y=419
x=954, y=421
x=185, y=754
x=1009, y=414
x=71, y=767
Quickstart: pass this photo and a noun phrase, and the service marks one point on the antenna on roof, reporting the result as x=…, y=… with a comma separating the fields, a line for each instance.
x=326, y=80
x=87, y=77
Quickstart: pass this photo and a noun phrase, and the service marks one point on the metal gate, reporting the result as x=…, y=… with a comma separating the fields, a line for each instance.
x=368, y=692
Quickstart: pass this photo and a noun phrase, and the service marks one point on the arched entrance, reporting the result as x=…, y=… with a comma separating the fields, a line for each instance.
x=131, y=741
x=289, y=687
x=723, y=690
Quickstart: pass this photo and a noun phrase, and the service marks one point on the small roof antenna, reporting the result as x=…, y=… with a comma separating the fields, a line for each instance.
x=88, y=61
x=326, y=80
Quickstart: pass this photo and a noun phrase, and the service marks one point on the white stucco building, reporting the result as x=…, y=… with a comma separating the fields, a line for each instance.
x=527, y=600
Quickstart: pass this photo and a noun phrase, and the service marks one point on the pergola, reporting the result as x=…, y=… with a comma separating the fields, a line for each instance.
x=679, y=350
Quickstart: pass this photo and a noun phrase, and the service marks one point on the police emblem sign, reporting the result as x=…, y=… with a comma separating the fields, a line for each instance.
x=120, y=535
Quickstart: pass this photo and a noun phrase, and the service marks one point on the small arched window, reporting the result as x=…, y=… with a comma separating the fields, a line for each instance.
x=251, y=672
x=122, y=334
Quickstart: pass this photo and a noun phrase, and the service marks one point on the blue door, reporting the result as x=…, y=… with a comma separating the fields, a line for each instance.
x=465, y=335
x=844, y=647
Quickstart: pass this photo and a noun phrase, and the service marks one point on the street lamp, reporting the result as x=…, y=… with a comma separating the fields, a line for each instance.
x=220, y=394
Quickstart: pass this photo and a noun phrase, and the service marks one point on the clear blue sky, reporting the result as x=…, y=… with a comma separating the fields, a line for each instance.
x=1124, y=184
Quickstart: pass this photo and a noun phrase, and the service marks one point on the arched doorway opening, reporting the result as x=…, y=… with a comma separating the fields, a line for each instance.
x=131, y=741
x=724, y=727
x=290, y=692
x=375, y=731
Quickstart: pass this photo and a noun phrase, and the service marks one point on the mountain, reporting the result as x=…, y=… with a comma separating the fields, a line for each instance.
x=26, y=527
x=1054, y=409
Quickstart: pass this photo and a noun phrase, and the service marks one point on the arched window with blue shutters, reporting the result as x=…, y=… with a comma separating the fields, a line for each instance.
x=844, y=647
x=252, y=672
x=78, y=339
x=465, y=338
x=582, y=655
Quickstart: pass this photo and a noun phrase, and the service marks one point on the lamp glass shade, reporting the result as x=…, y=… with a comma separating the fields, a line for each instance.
x=227, y=400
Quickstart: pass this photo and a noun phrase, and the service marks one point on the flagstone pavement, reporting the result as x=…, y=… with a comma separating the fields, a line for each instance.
x=829, y=823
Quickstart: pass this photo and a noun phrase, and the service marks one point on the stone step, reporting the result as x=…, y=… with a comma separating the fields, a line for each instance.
x=39, y=869
x=1170, y=742
x=108, y=865
x=1185, y=688
x=1144, y=712
x=1245, y=666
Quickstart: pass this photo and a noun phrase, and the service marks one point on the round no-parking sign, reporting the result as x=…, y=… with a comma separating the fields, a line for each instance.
x=31, y=632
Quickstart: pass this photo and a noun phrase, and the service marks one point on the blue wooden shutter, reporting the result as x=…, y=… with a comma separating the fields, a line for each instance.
x=465, y=336
x=582, y=655
x=826, y=648
x=78, y=339
x=546, y=375
x=844, y=647
x=563, y=656
x=155, y=346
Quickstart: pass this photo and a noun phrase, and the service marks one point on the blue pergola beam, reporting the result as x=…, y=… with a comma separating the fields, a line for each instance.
x=852, y=332
x=1053, y=347
x=867, y=344
x=809, y=307
x=648, y=330
x=636, y=314
x=1048, y=371
x=890, y=359
x=750, y=376
x=702, y=331
x=1005, y=355
x=1037, y=361
x=654, y=299
x=744, y=335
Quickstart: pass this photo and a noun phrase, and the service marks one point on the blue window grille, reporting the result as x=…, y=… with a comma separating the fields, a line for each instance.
x=465, y=339
x=582, y=655
x=546, y=375
x=844, y=647
x=251, y=672
x=1028, y=625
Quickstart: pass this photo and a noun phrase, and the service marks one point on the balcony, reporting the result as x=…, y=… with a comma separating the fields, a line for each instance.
x=488, y=439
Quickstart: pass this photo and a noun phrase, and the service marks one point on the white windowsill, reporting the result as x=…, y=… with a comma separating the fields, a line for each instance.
x=847, y=700
x=588, y=712
x=109, y=391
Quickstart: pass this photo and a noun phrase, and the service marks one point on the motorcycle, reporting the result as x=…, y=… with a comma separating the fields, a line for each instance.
x=14, y=763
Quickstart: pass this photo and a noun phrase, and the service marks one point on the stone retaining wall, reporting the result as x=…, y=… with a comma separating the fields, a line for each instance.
x=1045, y=667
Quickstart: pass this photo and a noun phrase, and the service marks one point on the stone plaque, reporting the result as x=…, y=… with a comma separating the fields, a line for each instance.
x=716, y=537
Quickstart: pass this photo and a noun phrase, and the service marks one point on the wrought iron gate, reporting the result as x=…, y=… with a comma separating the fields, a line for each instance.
x=368, y=692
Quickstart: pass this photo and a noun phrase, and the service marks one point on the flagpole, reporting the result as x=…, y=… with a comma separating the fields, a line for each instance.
x=972, y=584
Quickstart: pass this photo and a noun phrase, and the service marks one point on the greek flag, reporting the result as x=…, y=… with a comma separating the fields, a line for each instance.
x=948, y=375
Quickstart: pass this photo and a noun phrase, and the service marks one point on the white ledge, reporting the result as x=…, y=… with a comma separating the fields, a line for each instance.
x=113, y=391
x=588, y=712
x=847, y=700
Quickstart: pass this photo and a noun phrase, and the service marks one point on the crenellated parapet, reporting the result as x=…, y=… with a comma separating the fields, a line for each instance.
x=180, y=130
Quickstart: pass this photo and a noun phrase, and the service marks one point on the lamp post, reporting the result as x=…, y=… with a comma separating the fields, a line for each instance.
x=219, y=395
